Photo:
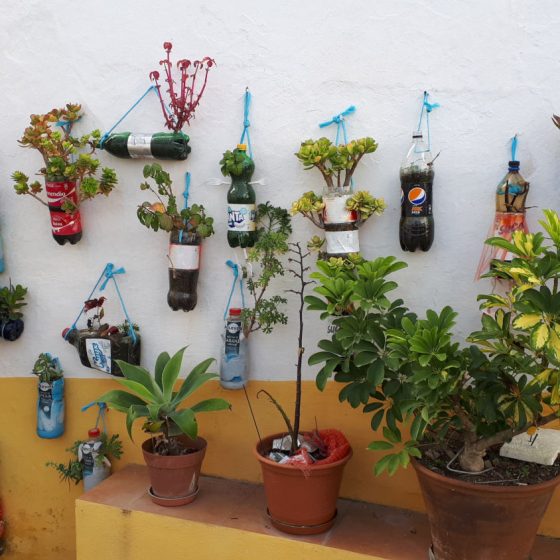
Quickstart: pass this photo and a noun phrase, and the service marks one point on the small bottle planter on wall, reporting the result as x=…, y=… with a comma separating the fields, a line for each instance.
x=11, y=318
x=187, y=227
x=340, y=211
x=70, y=171
x=50, y=404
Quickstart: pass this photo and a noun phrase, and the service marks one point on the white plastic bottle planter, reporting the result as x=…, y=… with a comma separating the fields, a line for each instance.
x=95, y=469
x=234, y=363
x=341, y=229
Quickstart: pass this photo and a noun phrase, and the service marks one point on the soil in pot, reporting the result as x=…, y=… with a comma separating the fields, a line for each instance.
x=481, y=521
x=174, y=478
x=301, y=499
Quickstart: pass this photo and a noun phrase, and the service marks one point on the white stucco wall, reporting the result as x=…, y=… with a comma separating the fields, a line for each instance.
x=493, y=66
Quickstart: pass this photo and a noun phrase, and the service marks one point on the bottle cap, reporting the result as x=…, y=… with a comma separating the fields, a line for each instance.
x=94, y=432
x=417, y=134
x=235, y=311
x=513, y=166
x=242, y=147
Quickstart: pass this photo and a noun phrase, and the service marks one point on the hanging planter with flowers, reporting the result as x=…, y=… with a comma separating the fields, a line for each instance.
x=70, y=170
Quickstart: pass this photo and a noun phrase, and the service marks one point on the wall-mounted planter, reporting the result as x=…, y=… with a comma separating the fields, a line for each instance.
x=65, y=227
x=11, y=330
x=184, y=264
x=161, y=145
x=50, y=409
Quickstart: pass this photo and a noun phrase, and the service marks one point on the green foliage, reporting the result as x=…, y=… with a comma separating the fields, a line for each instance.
x=47, y=369
x=273, y=230
x=236, y=163
x=407, y=370
x=165, y=214
x=12, y=300
x=111, y=448
x=153, y=396
x=64, y=157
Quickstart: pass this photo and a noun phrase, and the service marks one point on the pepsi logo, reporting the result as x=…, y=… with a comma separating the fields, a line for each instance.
x=417, y=196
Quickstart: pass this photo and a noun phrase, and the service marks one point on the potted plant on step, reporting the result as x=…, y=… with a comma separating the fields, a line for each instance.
x=174, y=451
x=302, y=470
x=339, y=211
x=70, y=170
x=187, y=228
x=460, y=405
x=12, y=300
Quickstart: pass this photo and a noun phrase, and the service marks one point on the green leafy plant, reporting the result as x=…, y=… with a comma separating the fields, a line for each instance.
x=111, y=448
x=153, y=398
x=273, y=230
x=12, y=300
x=66, y=157
x=165, y=214
x=236, y=163
x=409, y=371
x=47, y=368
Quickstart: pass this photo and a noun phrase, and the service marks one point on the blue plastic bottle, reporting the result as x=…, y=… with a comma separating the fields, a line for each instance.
x=234, y=365
x=50, y=409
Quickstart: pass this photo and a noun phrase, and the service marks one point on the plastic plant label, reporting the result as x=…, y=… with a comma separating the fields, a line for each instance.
x=241, y=217
x=335, y=211
x=342, y=242
x=99, y=353
x=139, y=145
x=184, y=257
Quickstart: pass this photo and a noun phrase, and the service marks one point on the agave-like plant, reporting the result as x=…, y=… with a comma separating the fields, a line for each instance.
x=153, y=397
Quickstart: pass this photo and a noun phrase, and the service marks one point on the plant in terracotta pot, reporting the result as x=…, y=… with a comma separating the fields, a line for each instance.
x=302, y=470
x=12, y=300
x=174, y=451
x=187, y=228
x=71, y=172
x=339, y=211
x=459, y=404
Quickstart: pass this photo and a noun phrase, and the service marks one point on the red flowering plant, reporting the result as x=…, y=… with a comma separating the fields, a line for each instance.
x=185, y=97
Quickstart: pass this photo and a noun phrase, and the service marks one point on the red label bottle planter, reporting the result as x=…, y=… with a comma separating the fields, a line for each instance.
x=65, y=226
x=184, y=258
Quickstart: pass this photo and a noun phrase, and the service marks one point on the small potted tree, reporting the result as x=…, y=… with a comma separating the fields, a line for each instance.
x=50, y=404
x=460, y=405
x=187, y=228
x=174, y=451
x=302, y=470
x=70, y=170
x=338, y=211
x=12, y=300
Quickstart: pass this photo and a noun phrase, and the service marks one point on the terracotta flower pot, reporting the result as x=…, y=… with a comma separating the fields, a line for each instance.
x=481, y=522
x=300, y=500
x=174, y=479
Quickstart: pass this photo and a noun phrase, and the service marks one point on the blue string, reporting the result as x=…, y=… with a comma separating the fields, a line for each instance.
x=246, y=123
x=235, y=269
x=513, y=148
x=429, y=107
x=186, y=197
x=106, y=135
x=340, y=125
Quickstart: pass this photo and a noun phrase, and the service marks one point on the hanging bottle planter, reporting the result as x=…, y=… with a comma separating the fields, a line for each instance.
x=511, y=195
x=339, y=211
x=50, y=403
x=12, y=300
x=187, y=229
x=70, y=171
x=100, y=344
x=177, y=112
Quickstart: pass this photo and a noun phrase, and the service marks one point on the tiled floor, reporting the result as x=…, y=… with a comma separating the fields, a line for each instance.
x=365, y=528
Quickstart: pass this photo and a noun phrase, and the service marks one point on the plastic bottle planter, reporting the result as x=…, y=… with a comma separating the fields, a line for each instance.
x=50, y=409
x=340, y=224
x=65, y=227
x=161, y=145
x=94, y=470
x=11, y=330
x=101, y=352
x=184, y=258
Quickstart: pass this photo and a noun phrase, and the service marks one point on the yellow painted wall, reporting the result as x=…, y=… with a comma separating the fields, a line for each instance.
x=40, y=510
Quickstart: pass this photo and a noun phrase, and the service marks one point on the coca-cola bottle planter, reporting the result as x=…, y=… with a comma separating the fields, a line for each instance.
x=12, y=300
x=339, y=211
x=187, y=227
x=70, y=172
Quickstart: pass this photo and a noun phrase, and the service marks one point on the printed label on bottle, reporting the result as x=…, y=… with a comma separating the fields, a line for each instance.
x=184, y=257
x=342, y=242
x=241, y=217
x=416, y=200
x=59, y=191
x=66, y=224
x=139, y=145
x=99, y=353
x=45, y=398
x=87, y=456
x=233, y=334
x=335, y=211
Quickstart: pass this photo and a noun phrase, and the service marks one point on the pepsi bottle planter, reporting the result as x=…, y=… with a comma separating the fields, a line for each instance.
x=161, y=145
x=11, y=318
x=50, y=402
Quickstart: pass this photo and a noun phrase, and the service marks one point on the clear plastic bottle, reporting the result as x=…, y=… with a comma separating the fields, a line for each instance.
x=234, y=364
x=417, y=176
x=94, y=470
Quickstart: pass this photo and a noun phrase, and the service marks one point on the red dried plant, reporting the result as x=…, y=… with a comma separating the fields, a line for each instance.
x=182, y=104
